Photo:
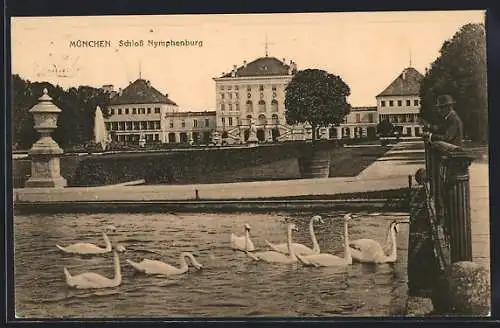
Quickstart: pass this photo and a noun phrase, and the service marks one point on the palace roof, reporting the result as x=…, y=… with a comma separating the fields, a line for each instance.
x=141, y=92
x=263, y=66
x=406, y=84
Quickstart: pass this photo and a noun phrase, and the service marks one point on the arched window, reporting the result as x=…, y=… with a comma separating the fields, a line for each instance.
x=262, y=106
x=274, y=105
x=249, y=106
x=275, y=119
x=262, y=119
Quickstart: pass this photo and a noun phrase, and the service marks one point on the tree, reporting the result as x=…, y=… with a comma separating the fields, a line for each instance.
x=75, y=122
x=385, y=129
x=316, y=97
x=460, y=71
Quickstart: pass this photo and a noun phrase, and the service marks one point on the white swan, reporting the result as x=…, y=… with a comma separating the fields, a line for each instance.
x=299, y=248
x=89, y=280
x=370, y=251
x=91, y=249
x=242, y=243
x=277, y=257
x=161, y=268
x=327, y=260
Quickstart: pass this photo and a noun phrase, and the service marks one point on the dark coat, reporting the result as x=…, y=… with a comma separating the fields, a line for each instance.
x=450, y=130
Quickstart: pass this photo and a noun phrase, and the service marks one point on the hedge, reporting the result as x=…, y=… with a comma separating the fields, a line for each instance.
x=209, y=165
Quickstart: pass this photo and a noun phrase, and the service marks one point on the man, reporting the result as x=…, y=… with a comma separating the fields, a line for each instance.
x=450, y=129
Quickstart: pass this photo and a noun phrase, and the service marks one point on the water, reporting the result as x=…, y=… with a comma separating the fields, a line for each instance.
x=230, y=284
x=100, y=132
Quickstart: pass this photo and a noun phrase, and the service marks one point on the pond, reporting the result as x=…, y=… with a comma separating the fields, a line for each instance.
x=230, y=283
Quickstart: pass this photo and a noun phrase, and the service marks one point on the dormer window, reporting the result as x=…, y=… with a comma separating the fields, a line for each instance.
x=261, y=88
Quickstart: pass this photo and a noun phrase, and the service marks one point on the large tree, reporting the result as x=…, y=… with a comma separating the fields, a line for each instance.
x=316, y=97
x=460, y=70
x=75, y=123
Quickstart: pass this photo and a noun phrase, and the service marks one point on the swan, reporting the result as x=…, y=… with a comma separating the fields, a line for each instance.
x=157, y=267
x=91, y=249
x=242, y=243
x=89, y=280
x=329, y=260
x=277, y=257
x=370, y=251
x=299, y=248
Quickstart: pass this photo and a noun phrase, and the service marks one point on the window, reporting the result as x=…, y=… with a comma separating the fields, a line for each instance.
x=370, y=117
x=415, y=102
x=126, y=111
x=249, y=88
x=237, y=105
x=222, y=96
x=391, y=103
x=274, y=119
x=262, y=106
x=274, y=88
x=195, y=123
x=144, y=125
x=171, y=124
x=408, y=102
x=237, y=95
x=230, y=121
x=382, y=103
x=261, y=87
x=230, y=95
x=249, y=106
x=112, y=111
x=230, y=106
x=183, y=124
x=222, y=87
x=236, y=87
x=400, y=103
x=221, y=106
x=119, y=111
x=223, y=120
x=358, y=118
x=229, y=87
x=207, y=122
x=134, y=110
x=149, y=110
x=274, y=105
x=136, y=125
x=157, y=110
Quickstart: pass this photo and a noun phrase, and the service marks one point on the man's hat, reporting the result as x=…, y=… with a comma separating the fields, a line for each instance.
x=444, y=100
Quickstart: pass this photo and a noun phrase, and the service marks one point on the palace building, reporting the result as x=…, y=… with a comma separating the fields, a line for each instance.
x=140, y=111
x=399, y=103
x=252, y=94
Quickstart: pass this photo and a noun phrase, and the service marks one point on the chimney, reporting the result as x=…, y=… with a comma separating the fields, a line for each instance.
x=148, y=83
x=404, y=74
x=245, y=63
x=426, y=70
x=284, y=60
x=120, y=91
x=166, y=95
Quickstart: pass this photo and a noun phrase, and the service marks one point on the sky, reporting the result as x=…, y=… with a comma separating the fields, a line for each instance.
x=368, y=50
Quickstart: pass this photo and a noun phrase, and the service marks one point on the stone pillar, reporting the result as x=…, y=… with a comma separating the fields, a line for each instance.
x=45, y=153
x=458, y=212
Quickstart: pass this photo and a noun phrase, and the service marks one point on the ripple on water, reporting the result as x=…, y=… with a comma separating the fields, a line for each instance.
x=230, y=284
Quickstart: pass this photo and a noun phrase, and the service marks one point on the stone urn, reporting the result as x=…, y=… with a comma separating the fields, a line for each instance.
x=45, y=153
x=315, y=160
